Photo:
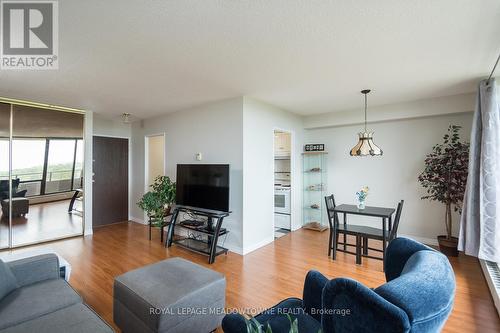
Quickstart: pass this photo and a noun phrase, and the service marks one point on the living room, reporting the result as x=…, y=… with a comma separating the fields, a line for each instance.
x=393, y=212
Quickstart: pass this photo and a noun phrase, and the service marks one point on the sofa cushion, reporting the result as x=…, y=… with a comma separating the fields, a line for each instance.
x=35, y=300
x=8, y=281
x=77, y=318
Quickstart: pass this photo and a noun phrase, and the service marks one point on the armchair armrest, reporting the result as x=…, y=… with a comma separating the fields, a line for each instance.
x=349, y=306
x=35, y=269
x=20, y=194
x=397, y=254
x=313, y=288
x=234, y=323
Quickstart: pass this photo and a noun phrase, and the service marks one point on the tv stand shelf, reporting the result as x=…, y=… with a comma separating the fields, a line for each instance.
x=204, y=229
x=213, y=231
x=199, y=246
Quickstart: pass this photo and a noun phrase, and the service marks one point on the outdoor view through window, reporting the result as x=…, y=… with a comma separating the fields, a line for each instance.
x=46, y=161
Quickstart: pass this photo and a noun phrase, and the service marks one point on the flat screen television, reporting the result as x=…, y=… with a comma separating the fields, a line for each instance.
x=203, y=186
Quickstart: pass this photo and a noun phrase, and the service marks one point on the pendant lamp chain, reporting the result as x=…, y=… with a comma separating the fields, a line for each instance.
x=366, y=106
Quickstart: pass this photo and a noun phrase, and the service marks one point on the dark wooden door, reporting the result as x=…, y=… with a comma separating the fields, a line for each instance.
x=110, y=187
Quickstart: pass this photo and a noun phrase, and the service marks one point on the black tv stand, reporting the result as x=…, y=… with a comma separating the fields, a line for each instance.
x=212, y=229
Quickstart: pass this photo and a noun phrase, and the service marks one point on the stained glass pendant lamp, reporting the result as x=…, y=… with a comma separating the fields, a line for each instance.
x=365, y=145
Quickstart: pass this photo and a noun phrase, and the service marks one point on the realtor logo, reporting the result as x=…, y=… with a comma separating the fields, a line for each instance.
x=29, y=32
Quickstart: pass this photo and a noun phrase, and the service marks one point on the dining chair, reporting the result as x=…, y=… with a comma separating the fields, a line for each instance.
x=378, y=234
x=337, y=228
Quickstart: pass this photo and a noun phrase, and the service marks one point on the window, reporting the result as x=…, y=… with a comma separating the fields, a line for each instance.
x=60, y=165
x=43, y=166
x=28, y=158
x=78, y=176
x=4, y=159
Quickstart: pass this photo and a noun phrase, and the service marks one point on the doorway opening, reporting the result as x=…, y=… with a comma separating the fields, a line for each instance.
x=155, y=158
x=282, y=183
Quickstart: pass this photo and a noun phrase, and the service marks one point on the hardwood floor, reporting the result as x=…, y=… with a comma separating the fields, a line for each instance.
x=45, y=221
x=259, y=279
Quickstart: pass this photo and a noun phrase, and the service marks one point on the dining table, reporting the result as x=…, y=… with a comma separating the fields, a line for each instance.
x=384, y=213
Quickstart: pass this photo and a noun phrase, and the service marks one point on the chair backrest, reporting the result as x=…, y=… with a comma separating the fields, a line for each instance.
x=4, y=184
x=420, y=281
x=395, y=225
x=330, y=205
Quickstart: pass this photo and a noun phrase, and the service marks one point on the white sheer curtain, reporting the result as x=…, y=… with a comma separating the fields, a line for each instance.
x=480, y=221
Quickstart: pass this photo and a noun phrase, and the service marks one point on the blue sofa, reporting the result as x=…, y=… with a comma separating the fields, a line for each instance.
x=417, y=297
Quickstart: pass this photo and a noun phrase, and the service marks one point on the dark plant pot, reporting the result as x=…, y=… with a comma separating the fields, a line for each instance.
x=448, y=246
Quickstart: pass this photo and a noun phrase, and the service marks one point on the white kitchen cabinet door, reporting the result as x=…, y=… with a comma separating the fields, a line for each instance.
x=282, y=143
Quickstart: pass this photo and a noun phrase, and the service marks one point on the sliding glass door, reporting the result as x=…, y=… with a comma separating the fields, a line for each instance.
x=41, y=167
x=4, y=173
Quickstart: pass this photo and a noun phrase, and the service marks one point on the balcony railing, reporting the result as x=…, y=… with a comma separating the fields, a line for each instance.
x=58, y=181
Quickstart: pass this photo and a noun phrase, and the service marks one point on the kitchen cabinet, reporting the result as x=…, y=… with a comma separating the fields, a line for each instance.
x=282, y=143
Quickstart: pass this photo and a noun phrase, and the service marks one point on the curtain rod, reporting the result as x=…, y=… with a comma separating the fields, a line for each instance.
x=493, y=70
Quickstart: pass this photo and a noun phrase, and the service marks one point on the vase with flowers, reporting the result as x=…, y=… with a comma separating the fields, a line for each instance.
x=361, y=196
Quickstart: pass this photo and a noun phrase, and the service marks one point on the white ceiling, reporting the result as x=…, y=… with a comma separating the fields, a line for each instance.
x=306, y=56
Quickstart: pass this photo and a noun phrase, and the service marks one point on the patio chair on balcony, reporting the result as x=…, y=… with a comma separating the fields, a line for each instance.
x=4, y=189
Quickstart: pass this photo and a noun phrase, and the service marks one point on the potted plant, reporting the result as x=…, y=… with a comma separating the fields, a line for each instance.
x=445, y=178
x=157, y=202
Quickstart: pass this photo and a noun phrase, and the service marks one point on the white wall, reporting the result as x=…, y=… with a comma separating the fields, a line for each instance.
x=110, y=127
x=259, y=122
x=215, y=130
x=88, y=169
x=392, y=176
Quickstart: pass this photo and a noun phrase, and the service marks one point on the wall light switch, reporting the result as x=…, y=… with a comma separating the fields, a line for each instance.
x=199, y=157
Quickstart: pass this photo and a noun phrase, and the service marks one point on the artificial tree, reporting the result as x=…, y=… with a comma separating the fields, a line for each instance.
x=445, y=178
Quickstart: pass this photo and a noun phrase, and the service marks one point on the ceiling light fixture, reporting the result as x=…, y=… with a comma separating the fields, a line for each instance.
x=126, y=118
x=365, y=144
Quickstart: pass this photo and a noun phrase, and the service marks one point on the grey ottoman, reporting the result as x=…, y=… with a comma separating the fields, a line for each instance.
x=174, y=295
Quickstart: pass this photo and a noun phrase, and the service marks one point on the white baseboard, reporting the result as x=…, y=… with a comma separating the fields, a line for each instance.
x=235, y=249
x=137, y=220
x=251, y=248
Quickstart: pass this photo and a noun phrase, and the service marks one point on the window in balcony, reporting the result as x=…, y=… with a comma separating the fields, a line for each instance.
x=60, y=162
x=4, y=159
x=78, y=175
x=28, y=158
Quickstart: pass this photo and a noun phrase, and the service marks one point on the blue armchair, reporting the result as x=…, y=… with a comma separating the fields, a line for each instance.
x=417, y=297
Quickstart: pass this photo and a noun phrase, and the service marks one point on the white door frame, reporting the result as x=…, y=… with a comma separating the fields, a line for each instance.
x=146, y=163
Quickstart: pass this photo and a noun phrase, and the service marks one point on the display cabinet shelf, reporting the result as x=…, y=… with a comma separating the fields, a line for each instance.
x=315, y=190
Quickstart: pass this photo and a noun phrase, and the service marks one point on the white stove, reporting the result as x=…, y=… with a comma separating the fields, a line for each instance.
x=282, y=206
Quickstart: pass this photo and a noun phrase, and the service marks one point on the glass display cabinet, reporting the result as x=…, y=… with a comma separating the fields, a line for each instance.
x=315, y=190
